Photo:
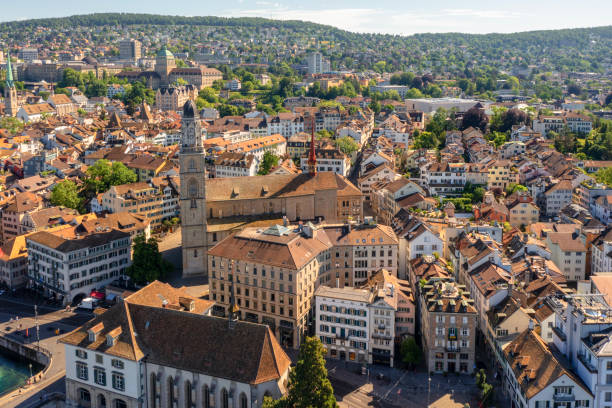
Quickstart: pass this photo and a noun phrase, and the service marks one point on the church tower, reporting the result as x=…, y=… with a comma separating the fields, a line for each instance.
x=10, y=92
x=164, y=64
x=193, y=193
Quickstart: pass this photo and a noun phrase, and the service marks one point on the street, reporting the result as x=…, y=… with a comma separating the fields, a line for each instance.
x=398, y=388
x=49, y=320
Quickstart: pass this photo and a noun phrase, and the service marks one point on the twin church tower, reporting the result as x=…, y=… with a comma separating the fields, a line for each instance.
x=192, y=200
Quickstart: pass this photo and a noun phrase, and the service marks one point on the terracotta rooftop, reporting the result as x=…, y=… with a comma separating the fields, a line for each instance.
x=535, y=367
x=244, y=352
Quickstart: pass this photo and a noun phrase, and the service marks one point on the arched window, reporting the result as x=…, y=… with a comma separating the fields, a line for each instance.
x=119, y=403
x=243, y=401
x=224, y=398
x=193, y=188
x=188, y=396
x=171, y=395
x=84, y=397
x=206, y=396
x=101, y=401
x=153, y=388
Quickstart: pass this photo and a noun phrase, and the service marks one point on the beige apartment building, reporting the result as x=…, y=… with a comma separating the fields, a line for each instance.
x=274, y=272
x=568, y=252
x=448, y=326
x=522, y=211
x=14, y=213
x=500, y=175
x=157, y=202
x=278, y=268
x=173, y=98
x=359, y=251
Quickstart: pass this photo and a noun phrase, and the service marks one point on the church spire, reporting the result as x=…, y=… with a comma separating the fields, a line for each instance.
x=9, y=71
x=312, y=157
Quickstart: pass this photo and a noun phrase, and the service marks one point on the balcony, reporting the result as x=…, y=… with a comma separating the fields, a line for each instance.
x=564, y=397
x=587, y=364
x=452, y=349
x=381, y=336
x=559, y=333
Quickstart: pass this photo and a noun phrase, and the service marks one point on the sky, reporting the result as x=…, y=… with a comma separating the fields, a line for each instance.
x=380, y=16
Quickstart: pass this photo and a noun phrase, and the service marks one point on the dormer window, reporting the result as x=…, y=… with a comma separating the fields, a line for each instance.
x=111, y=337
x=95, y=331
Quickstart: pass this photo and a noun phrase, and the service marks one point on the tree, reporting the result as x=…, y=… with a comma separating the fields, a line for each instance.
x=608, y=100
x=481, y=378
x=138, y=93
x=424, y=140
x=268, y=161
x=574, y=89
x=13, y=125
x=604, y=175
x=102, y=175
x=513, y=117
x=66, y=194
x=411, y=353
x=473, y=191
x=96, y=88
x=564, y=141
x=514, y=187
x=347, y=145
x=486, y=389
x=498, y=138
x=475, y=117
x=309, y=386
x=147, y=262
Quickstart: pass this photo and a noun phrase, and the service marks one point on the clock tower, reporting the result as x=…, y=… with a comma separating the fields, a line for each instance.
x=10, y=92
x=193, y=193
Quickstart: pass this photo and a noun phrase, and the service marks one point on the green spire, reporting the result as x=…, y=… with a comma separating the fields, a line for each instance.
x=9, y=71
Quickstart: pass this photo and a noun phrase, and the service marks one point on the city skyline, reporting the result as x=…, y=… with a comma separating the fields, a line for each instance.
x=387, y=16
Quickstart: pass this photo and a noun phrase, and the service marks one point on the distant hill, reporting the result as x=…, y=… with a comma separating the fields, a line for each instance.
x=566, y=49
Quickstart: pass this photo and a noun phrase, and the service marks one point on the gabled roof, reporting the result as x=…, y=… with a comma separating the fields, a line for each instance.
x=534, y=365
x=188, y=340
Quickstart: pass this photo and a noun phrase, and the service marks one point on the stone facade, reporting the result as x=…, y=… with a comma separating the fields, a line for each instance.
x=192, y=193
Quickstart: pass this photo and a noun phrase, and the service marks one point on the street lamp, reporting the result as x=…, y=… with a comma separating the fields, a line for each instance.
x=428, y=390
x=30, y=371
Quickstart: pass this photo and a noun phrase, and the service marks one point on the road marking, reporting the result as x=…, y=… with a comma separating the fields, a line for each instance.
x=386, y=394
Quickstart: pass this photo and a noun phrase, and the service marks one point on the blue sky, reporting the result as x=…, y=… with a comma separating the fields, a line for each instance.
x=384, y=16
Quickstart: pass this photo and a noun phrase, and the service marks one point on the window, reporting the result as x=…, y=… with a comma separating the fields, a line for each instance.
x=608, y=378
x=99, y=359
x=81, y=353
x=99, y=376
x=119, y=404
x=206, y=396
x=118, y=381
x=84, y=395
x=243, y=401
x=224, y=399
x=609, y=365
x=81, y=370
x=117, y=364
